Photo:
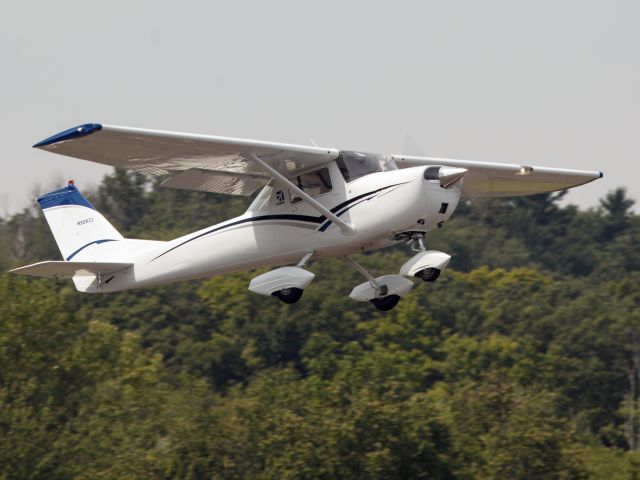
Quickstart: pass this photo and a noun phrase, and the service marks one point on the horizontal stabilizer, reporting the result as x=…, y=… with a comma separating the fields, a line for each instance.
x=62, y=270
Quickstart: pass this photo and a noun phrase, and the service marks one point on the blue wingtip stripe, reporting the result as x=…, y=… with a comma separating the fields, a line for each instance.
x=72, y=133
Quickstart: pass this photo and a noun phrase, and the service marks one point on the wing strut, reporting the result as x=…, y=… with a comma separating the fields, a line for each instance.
x=345, y=227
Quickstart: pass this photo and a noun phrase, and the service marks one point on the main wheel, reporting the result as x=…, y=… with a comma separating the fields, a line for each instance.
x=428, y=274
x=289, y=295
x=385, y=303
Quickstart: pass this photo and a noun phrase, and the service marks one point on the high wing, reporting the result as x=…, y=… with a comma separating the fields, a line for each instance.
x=488, y=179
x=63, y=270
x=194, y=162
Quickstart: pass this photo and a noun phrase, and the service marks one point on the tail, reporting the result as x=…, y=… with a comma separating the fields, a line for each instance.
x=94, y=252
x=74, y=222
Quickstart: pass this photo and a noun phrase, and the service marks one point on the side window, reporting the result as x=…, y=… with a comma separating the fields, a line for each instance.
x=314, y=183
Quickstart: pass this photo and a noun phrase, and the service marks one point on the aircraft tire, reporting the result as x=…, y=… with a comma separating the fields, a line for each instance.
x=289, y=295
x=428, y=274
x=386, y=303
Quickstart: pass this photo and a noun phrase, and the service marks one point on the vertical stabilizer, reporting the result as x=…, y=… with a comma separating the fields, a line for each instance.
x=74, y=222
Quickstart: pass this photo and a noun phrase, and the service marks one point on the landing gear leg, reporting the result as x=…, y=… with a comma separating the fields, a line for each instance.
x=418, y=238
x=303, y=261
x=382, y=301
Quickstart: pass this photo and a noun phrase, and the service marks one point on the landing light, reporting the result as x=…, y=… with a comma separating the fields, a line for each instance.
x=524, y=170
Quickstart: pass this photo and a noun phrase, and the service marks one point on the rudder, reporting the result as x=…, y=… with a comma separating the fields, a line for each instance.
x=74, y=222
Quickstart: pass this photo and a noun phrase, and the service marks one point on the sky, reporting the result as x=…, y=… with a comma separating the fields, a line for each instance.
x=550, y=83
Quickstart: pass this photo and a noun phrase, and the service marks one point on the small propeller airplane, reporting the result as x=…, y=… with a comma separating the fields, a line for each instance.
x=314, y=203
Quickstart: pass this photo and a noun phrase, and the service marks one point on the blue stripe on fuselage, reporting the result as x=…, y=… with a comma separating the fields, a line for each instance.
x=89, y=244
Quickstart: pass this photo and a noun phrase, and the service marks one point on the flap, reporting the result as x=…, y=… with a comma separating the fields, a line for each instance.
x=216, y=181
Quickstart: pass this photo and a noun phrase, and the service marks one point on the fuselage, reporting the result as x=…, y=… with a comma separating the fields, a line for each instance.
x=277, y=230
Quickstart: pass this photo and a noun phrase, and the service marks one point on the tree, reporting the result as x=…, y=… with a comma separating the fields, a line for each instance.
x=617, y=213
x=500, y=430
x=522, y=361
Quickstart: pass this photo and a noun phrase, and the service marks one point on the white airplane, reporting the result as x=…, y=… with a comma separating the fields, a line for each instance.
x=315, y=203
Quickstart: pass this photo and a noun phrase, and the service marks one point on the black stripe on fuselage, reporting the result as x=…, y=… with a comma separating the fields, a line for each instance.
x=358, y=197
x=299, y=218
x=346, y=206
x=328, y=222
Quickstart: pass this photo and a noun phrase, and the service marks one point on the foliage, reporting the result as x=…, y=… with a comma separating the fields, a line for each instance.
x=521, y=361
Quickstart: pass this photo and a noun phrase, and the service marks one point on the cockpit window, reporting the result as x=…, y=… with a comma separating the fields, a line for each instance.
x=354, y=165
x=314, y=183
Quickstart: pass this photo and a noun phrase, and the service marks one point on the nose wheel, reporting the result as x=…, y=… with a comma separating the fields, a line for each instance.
x=426, y=264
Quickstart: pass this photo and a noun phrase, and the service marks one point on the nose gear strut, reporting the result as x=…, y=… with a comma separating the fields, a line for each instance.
x=417, y=242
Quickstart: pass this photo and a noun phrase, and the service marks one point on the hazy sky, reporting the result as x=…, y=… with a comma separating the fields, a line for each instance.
x=552, y=83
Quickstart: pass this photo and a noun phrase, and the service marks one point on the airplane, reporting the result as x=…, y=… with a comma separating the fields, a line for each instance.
x=314, y=203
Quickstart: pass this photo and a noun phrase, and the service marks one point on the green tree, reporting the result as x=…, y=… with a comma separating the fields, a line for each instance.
x=617, y=213
x=500, y=430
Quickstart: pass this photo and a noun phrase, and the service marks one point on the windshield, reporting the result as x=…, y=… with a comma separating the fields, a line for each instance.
x=354, y=165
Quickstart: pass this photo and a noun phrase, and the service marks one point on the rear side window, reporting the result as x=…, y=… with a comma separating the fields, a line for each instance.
x=314, y=183
x=354, y=165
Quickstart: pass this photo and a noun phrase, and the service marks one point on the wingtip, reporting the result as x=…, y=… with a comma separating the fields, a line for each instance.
x=70, y=134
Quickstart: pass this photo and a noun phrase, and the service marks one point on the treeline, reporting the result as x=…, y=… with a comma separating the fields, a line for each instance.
x=522, y=361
